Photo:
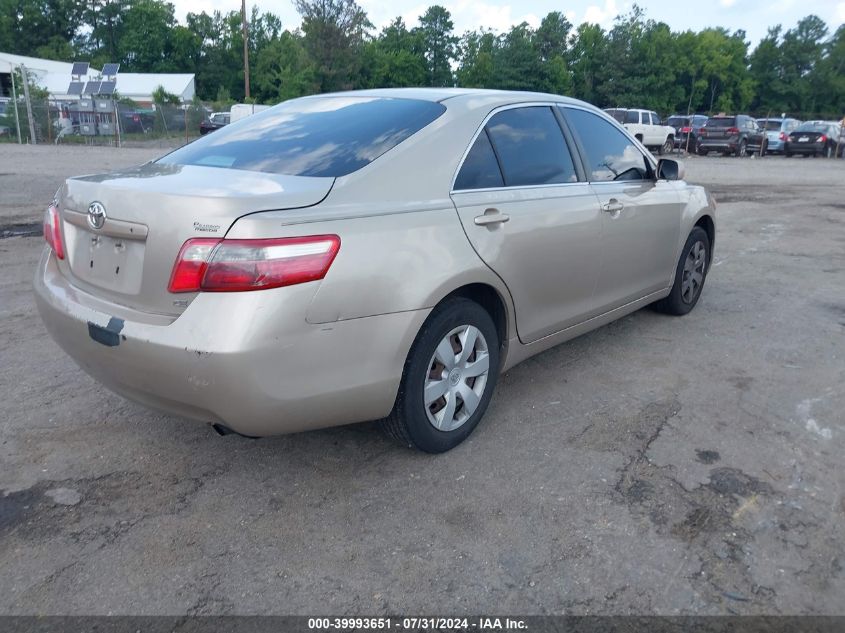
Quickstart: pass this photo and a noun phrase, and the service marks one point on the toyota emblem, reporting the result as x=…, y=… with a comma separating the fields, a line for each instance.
x=96, y=215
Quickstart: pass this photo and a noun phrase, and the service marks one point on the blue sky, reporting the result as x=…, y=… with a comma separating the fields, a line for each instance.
x=755, y=16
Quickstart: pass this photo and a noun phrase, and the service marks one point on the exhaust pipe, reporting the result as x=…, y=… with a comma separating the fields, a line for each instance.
x=224, y=430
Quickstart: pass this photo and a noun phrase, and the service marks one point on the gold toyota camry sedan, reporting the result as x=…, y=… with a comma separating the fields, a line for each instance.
x=374, y=255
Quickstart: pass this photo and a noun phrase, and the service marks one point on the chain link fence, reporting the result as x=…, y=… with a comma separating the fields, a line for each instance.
x=98, y=121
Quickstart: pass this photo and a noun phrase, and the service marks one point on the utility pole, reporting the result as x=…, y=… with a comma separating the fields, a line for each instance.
x=15, y=101
x=246, y=49
x=25, y=78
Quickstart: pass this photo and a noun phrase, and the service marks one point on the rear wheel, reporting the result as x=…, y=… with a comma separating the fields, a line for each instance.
x=448, y=379
x=689, y=275
x=742, y=148
x=667, y=146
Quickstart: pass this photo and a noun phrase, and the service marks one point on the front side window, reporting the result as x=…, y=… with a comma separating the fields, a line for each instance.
x=530, y=146
x=632, y=116
x=312, y=136
x=610, y=154
x=480, y=169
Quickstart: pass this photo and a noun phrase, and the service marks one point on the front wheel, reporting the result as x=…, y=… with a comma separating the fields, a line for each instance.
x=667, y=146
x=690, y=274
x=742, y=148
x=448, y=379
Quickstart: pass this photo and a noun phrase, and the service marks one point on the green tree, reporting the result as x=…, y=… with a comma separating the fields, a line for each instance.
x=334, y=35
x=283, y=70
x=439, y=44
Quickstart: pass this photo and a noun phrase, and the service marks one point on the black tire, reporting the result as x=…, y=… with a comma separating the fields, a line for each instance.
x=788, y=154
x=742, y=148
x=701, y=151
x=667, y=146
x=409, y=422
x=676, y=304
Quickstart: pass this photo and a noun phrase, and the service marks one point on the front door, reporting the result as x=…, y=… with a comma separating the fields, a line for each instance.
x=641, y=216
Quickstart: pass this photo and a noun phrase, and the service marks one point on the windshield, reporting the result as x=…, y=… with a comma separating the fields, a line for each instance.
x=770, y=125
x=312, y=136
x=812, y=127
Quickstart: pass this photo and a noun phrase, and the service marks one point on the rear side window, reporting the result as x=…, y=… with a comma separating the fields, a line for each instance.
x=313, y=136
x=632, y=116
x=480, y=169
x=610, y=154
x=531, y=147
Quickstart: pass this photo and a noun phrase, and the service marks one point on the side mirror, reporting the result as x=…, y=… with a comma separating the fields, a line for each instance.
x=670, y=169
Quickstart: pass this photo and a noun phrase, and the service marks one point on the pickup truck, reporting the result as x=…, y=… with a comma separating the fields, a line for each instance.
x=646, y=127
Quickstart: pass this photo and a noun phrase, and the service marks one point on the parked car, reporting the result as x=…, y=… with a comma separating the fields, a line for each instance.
x=814, y=138
x=739, y=135
x=686, y=130
x=214, y=122
x=135, y=120
x=777, y=131
x=646, y=127
x=292, y=270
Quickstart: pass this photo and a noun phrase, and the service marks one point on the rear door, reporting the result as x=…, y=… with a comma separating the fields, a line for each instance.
x=641, y=217
x=531, y=218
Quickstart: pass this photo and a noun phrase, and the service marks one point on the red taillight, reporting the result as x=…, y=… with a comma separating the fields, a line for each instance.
x=783, y=136
x=53, y=231
x=236, y=265
x=733, y=131
x=686, y=130
x=822, y=139
x=702, y=131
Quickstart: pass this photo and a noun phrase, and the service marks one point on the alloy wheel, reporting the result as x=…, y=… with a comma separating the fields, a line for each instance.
x=694, y=267
x=457, y=378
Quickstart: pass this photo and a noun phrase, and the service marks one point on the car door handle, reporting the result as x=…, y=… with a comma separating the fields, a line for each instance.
x=491, y=216
x=612, y=206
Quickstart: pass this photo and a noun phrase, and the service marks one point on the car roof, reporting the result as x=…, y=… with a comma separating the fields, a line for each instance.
x=459, y=98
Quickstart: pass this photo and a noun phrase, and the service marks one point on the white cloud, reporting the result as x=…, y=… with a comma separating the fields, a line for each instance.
x=727, y=3
x=602, y=15
x=840, y=11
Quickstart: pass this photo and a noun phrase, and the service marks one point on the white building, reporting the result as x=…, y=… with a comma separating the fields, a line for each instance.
x=55, y=77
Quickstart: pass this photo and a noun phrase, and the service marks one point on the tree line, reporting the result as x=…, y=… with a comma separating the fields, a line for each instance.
x=637, y=62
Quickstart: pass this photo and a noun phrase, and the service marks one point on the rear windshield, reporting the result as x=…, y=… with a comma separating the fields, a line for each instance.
x=619, y=115
x=812, y=127
x=677, y=121
x=722, y=122
x=770, y=125
x=313, y=136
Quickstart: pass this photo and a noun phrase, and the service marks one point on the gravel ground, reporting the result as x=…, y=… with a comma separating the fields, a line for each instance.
x=657, y=465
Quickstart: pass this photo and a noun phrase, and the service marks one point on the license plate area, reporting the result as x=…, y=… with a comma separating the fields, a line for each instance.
x=112, y=263
x=803, y=139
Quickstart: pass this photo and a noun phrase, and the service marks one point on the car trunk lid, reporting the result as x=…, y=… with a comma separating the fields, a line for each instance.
x=148, y=213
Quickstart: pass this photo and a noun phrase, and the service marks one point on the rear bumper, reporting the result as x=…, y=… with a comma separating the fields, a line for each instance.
x=248, y=360
x=804, y=148
x=717, y=146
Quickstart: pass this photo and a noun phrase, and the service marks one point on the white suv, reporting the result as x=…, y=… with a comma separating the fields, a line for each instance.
x=646, y=127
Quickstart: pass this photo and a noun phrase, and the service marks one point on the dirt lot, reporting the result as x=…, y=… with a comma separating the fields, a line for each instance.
x=657, y=465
